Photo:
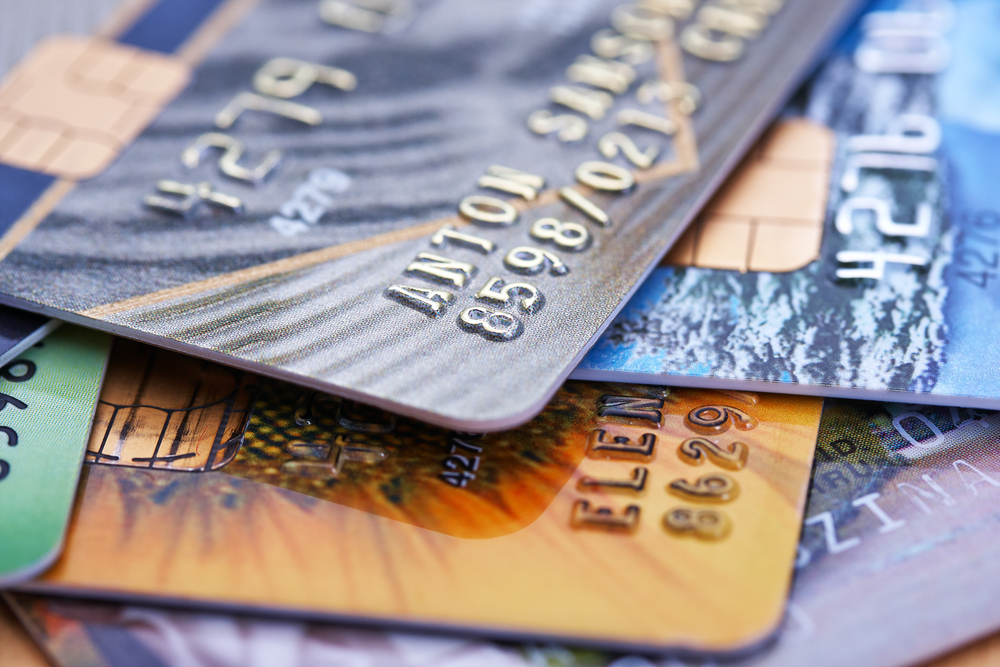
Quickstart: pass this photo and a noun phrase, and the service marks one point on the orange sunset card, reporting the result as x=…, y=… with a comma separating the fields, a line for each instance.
x=624, y=515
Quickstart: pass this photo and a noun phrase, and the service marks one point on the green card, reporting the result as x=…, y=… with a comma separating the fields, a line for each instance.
x=47, y=401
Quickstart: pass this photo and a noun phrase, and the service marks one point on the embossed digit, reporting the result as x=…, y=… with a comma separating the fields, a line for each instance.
x=253, y=102
x=530, y=261
x=716, y=487
x=732, y=21
x=688, y=97
x=695, y=451
x=700, y=41
x=909, y=133
x=605, y=176
x=4, y=469
x=614, y=142
x=640, y=22
x=491, y=324
x=680, y=9
x=610, y=75
x=228, y=163
x=385, y=16
x=712, y=419
x=569, y=235
x=496, y=290
x=604, y=518
x=289, y=77
x=703, y=524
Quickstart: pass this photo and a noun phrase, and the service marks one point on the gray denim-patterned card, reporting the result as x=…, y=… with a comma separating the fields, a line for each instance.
x=434, y=206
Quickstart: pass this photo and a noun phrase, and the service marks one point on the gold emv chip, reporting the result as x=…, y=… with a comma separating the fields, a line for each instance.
x=73, y=103
x=769, y=215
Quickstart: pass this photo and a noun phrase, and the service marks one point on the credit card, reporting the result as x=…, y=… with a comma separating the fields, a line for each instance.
x=621, y=516
x=28, y=21
x=19, y=330
x=853, y=255
x=47, y=401
x=896, y=565
x=163, y=410
x=16, y=647
x=432, y=207
x=87, y=633
x=902, y=515
x=897, y=562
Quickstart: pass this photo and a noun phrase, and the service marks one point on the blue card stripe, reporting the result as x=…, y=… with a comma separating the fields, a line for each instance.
x=19, y=188
x=168, y=24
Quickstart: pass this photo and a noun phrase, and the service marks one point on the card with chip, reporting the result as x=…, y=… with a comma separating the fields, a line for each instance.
x=390, y=201
x=898, y=558
x=47, y=400
x=855, y=253
x=621, y=516
x=896, y=564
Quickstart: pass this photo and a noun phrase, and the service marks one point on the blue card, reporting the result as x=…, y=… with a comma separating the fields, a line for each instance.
x=881, y=285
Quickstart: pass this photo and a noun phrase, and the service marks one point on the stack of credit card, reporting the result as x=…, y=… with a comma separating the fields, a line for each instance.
x=631, y=333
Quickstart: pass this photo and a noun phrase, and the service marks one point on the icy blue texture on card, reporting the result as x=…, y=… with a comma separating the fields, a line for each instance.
x=924, y=330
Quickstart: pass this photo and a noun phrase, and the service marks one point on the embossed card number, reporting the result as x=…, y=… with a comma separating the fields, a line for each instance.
x=276, y=82
x=715, y=488
x=718, y=32
x=641, y=27
x=696, y=450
